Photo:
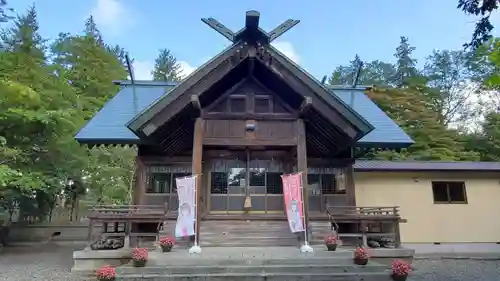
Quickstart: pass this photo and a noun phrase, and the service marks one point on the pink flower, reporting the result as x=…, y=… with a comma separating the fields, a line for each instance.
x=167, y=241
x=140, y=254
x=331, y=240
x=361, y=253
x=401, y=267
x=106, y=273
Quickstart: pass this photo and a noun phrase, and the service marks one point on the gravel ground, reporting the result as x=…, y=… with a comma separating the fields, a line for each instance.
x=49, y=262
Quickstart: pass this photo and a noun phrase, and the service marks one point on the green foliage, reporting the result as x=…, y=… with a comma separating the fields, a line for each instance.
x=42, y=106
x=166, y=67
x=483, y=10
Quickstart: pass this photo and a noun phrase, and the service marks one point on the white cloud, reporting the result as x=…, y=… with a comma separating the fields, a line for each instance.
x=142, y=69
x=186, y=68
x=288, y=50
x=111, y=15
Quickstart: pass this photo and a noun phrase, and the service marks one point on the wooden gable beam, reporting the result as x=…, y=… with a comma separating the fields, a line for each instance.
x=334, y=109
x=199, y=82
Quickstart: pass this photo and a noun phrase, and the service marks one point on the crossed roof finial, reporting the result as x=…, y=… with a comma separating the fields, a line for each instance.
x=251, y=32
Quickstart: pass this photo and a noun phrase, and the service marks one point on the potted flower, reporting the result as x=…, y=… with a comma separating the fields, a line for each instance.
x=331, y=242
x=361, y=256
x=166, y=243
x=106, y=273
x=400, y=270
x=140, y=257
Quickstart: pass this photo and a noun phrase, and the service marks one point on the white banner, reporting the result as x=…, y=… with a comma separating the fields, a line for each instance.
x=186, y=218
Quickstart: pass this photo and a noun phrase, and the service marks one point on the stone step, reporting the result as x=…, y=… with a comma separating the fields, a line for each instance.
x=365, y=276
x=346, y=260
x=248, y=269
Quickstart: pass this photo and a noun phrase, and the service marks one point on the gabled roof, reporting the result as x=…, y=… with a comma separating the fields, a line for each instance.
x=425, y=166
x=217, y=68
x=108, y=126
x=387, y=134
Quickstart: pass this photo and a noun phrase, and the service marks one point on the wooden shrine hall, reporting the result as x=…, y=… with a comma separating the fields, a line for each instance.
x=240, y=121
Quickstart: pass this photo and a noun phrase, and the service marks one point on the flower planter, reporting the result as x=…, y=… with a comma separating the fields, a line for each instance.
x=331, y=247
x=106, y=279
x=399, y=277
x=140, y=263
x=166, y=248
x=360, y=261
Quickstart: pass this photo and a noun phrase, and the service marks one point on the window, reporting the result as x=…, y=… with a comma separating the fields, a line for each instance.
x=237, y=105
x=262, y=105
x=449, y=192
x=219, y=182
x=274, y=183
x=174, y=182
x=159, y=183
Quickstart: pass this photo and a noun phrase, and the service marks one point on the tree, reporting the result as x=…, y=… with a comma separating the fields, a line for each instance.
x=4, y=11
x=433, y=141
x=373, y=73
x=405, y=64
x=450, y=77
x=166, y=67
x=91, y=30
x=483, y=9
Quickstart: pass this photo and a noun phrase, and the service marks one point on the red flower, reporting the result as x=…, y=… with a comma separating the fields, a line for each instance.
x=401, y=267
x=361, y=253
x=167, y=241
x=140, y=254
x=106, y=273
x=331, y=240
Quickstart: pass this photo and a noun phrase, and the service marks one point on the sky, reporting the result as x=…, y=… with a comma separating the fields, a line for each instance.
x=330, y=33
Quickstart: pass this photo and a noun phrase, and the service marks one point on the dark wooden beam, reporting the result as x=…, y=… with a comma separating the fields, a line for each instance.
x=350, y=182
x=321, y=105
x=249, y=142
x=302, y=167
x=281, y=29
x=141, y=181
x=195, y=101
x=252, y=21
x=306, y=105
x=224, y=96
x=219, y=27
x=198, y=88
x=197, y=169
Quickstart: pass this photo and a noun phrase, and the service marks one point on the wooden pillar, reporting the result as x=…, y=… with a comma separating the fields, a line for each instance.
x=139, y=191
x=197, y=169
x=302, y=167
x=349, y=181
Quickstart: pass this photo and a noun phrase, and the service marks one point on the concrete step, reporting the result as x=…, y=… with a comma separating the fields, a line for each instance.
x=249, y=269
x=367, y=276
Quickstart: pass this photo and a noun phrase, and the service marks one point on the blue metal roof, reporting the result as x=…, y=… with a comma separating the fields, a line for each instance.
x=387, y=134
x=423, y=166
x=109, y=124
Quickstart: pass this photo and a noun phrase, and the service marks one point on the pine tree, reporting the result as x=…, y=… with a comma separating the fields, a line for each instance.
x=92, y=30
x=405, y=64
x=166, y=67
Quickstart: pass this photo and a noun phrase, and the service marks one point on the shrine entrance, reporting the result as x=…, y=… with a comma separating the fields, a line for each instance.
x=247, y=181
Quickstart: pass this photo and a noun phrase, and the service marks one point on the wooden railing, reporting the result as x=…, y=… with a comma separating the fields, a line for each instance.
x=363, y=212
x=127, y=212
x=126, y=215
x=365, y=218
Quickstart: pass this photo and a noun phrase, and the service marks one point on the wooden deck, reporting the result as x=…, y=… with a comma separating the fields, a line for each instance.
x=355, y=225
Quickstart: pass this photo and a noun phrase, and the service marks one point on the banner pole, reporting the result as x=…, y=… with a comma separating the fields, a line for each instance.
x=306, y=248
x=195, y=249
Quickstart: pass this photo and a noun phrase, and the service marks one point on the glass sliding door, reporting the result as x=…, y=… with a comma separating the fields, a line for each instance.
x=248, y=178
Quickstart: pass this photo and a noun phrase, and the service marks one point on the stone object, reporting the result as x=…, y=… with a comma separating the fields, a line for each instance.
x=107, y=243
